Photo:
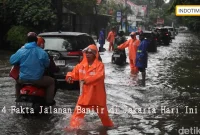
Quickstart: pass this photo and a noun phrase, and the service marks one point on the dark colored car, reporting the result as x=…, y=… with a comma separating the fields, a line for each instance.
x=66, y=48
x=163, y=35
x=171, y=31
x=152, y=39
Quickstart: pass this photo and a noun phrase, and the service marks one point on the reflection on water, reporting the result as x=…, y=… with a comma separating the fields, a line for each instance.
x=172, y=90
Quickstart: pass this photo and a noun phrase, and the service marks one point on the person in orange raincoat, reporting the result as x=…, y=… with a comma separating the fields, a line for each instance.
x=90, y=73
x=132, y=45
x=111, y=38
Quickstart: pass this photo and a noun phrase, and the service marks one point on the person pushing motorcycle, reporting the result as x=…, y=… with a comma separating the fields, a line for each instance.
x=132, y=45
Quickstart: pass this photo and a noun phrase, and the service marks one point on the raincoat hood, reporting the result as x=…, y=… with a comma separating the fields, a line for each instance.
x=92, y=48
x=30, y=45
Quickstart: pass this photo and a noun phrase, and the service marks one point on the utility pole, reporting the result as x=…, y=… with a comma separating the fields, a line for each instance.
x=121, y=19
x=126, y=20
x=96, y=21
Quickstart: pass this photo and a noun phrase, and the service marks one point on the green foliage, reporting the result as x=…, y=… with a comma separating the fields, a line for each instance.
x=154, y=13
x=192, y=22
x=144, y=2
x=10, y=10
x=105, y=7
x=150, y=3
x=161, y=13
x=36, y=13
x=32, y=13
x=17, y=36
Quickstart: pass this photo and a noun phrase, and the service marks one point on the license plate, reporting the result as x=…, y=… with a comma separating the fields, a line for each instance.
x=23, y=104
x=59, y=62
x=116, y=55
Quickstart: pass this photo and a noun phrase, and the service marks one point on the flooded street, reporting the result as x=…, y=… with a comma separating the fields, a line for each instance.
x=169, y=101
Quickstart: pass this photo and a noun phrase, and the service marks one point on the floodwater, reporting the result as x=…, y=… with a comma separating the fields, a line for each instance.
x=167, y=105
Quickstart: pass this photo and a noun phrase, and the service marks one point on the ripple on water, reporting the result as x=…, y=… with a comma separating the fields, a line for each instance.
x=168, y=76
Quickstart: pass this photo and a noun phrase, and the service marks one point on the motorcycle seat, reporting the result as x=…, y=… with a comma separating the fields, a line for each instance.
x=28, y=84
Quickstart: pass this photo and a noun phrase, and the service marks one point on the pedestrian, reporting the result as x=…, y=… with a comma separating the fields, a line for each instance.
x=90, y=72
x=142, y=57
x=32, y=61
x=111, y=38
x=101, y=39
x=132, y=45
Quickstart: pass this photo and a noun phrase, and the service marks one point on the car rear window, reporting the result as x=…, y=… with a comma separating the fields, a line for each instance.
x=68, y=43
x=162, y=30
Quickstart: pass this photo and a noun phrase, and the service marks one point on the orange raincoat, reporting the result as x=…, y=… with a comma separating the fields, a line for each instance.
x=93, y=95
x=132, y=45
x=111, y=38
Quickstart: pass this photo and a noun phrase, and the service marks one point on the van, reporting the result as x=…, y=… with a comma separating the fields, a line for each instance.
x=171, y=30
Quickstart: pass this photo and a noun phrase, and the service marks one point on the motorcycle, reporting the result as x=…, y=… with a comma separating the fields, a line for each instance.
x=32, y=98
x=119, y=57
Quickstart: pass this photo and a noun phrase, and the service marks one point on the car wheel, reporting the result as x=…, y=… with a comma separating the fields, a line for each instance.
x=167, y=43
x=112, y=60
x=124, y=61
x=155, y=49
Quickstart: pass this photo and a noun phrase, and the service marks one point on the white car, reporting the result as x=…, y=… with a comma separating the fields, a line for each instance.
x=171, y=30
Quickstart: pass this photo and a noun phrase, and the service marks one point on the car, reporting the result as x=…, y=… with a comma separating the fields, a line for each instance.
x=176, y=31
x=172, y=31
x=66, y=49
x=163, y=35
x=152, y=39
x=182, y=28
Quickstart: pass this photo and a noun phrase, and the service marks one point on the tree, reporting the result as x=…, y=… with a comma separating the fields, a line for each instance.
x=193, y=23
x=150, y=3
x=37, y=14
x=111, y=8
x=17, y=37
x=34, y=13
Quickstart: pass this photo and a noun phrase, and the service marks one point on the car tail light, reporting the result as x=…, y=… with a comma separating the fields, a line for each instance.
x=156, y=39
x=75, y=53
x=24, y=91
x=167, y=34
